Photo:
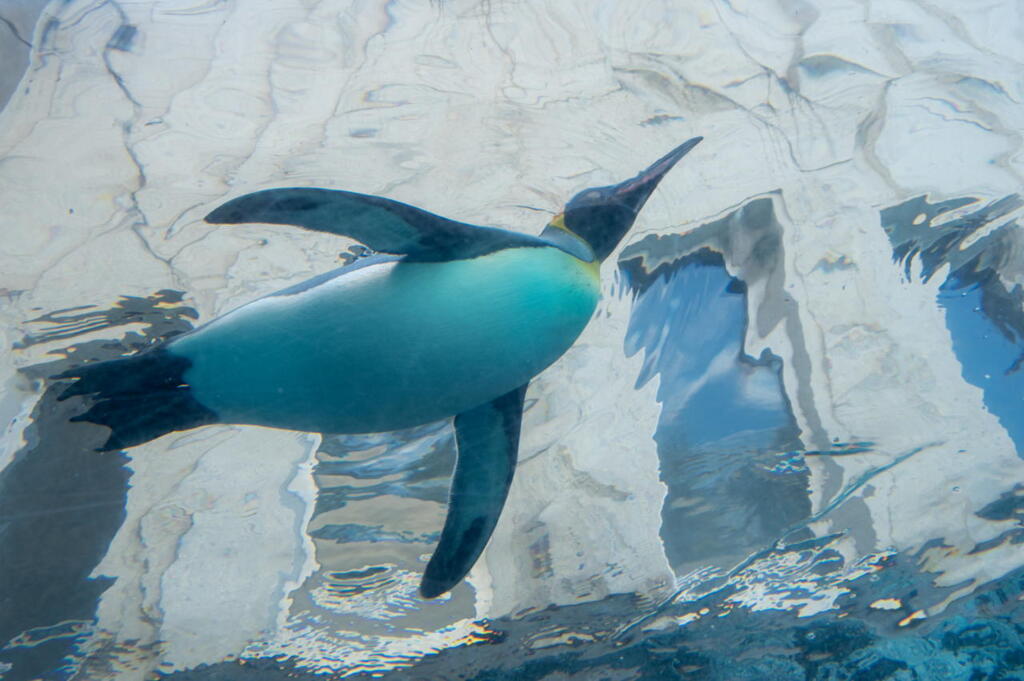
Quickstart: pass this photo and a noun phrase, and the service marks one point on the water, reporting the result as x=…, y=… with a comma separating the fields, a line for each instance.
x=786, y=447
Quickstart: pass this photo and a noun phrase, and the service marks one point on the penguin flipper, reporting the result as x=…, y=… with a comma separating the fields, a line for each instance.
x=381, y=224
x=488, y=442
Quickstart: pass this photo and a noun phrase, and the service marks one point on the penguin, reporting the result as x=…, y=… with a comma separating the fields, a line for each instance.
x=443, y=320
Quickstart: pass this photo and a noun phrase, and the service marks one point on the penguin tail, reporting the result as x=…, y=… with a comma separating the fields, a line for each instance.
x=139, y=398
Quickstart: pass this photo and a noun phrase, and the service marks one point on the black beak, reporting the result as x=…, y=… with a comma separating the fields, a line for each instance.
x=635, y=192
x=602, y=216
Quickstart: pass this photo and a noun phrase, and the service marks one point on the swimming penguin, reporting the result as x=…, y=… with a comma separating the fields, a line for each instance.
x=445, y=319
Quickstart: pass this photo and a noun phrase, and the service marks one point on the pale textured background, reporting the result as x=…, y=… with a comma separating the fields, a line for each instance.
x=111, y=151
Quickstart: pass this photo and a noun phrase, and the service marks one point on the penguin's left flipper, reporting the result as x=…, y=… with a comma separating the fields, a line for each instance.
x=384, y=225
x=488, y=442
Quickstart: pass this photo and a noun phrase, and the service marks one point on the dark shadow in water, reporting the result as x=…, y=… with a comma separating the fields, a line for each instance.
x=61, y=502
x=984, y=312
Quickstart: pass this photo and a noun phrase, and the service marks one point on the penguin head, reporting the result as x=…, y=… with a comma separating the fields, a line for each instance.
x=601, y=216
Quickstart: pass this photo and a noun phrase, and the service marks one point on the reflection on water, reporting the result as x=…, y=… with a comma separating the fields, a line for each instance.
x=787, y=447
x=975, y=247
x=730, y=490
x=61, y=502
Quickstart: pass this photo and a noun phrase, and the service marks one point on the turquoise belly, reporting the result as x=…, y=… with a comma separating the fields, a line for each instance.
x=392, y=345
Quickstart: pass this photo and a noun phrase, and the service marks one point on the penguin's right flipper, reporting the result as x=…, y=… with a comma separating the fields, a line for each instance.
x=488, y=442
x=383, y=225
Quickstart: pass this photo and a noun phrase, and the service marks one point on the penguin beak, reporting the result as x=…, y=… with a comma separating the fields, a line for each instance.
x=634, y=193
x=603, y=215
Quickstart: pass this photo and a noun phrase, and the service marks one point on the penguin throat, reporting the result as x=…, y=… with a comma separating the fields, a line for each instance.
x=561, y=237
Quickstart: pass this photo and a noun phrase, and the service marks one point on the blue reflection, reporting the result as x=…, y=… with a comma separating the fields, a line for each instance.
x=725, y=423
x=990, y=358
x=985, y=315
x=709, y=389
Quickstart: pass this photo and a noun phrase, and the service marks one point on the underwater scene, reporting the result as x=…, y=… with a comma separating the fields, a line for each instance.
x=590, y=340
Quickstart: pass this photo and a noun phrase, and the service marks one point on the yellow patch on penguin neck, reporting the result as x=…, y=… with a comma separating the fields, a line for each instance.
x=558, y=222
x=581, y=249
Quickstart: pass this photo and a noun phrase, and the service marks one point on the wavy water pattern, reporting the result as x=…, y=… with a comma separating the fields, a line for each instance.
x=788, y=445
